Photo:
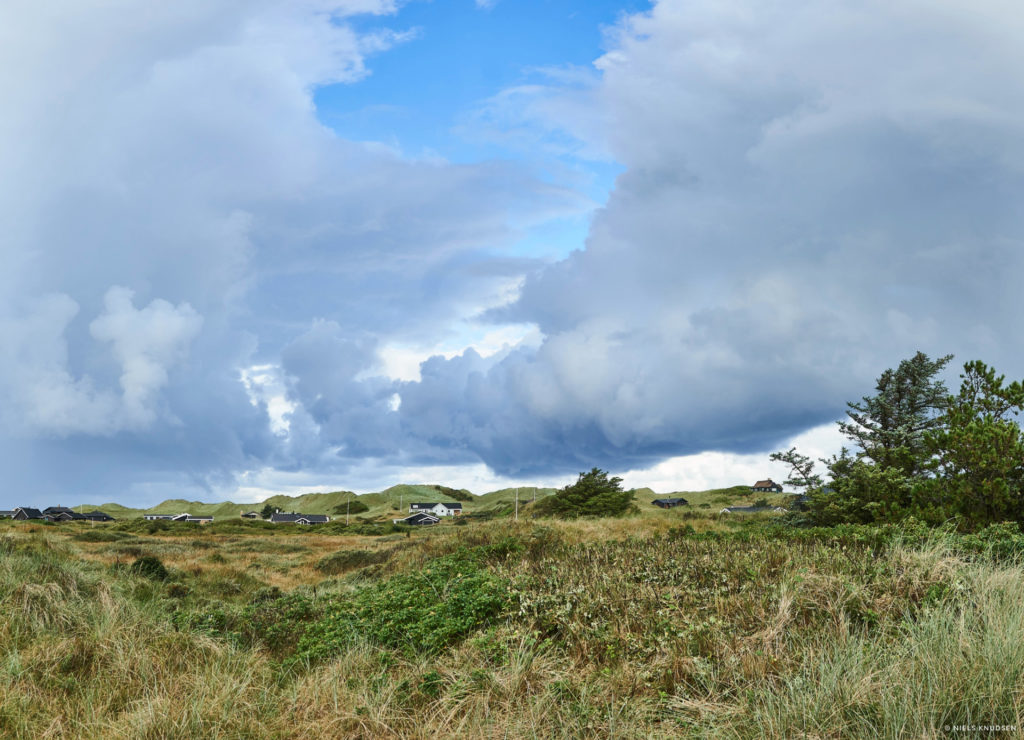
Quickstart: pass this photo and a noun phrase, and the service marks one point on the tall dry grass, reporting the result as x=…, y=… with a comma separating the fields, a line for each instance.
x=638, y=631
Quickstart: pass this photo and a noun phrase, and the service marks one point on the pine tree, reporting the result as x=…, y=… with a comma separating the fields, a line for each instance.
x=978, y=452
x=801, y=467
x=593, y=494
x=890, y=427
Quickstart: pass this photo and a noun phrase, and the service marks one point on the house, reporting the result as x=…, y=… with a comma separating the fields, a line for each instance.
x=24, y=512
x=766, y=486
x=98, y=516
x=64, y=516
x=55, y=510
x=752, y=510
x=670, y=503
x=437, y=509
x=293, y=518
x=420, y=519
x=251, y=515
x=185, y=517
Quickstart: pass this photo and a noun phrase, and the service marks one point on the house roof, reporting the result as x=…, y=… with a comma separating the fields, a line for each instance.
x=422, y=505
x=765, y=483
x=29, y=512
x=670, y=501
x=100, y=516
x=421, y=518
x=57, y=510
x=281, y=518
x=66, y=515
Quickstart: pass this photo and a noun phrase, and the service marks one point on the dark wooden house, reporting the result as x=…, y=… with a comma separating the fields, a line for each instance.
x=670, y=503
x=25, y=512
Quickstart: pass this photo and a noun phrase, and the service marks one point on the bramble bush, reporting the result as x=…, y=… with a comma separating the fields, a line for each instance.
x=420, y=612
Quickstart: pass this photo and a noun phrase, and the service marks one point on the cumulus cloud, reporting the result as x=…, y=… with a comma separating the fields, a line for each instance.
x=50, y=399
x=176, y=151
x=145, y=343
x=811, y=193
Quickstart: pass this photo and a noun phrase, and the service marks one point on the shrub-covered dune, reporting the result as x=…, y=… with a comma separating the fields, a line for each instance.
x=637, y=627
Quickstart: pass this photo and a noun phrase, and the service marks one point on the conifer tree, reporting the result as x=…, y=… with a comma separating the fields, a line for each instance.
x=978, y=452
x=593, y=494
x=889, y=428
x=801, y=467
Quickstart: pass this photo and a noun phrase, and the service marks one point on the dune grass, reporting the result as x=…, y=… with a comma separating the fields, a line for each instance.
x=657, y=626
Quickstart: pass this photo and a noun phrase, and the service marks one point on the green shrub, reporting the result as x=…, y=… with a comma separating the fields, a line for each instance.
x=345, y=560
x=455, y=494
x=101, y=535
x=149, y=567
x=593, y=494
x=420, y=612
x=353, y=506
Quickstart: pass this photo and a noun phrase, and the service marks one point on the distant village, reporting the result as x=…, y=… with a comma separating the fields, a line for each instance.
x=420, y=513
x=55, y=514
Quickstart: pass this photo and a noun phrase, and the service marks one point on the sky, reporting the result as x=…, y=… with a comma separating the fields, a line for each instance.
x=253, y=247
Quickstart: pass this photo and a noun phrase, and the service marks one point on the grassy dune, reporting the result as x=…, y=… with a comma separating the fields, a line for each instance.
x=390, y=502
x=667, y=624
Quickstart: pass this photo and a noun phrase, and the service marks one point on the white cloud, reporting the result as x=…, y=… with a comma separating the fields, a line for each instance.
x=145, y=343
x=708, y=470
x=176, y=151
x=811, y=192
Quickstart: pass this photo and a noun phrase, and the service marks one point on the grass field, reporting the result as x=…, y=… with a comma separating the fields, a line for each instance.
x=675, y=623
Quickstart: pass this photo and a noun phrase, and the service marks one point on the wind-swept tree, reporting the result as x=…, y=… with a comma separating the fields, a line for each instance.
x=889, y=427
x=888, y=431
x=802, y=475
x=593, y=494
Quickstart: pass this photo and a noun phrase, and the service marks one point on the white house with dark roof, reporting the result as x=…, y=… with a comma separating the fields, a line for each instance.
x=184, y=517
x=446, y=508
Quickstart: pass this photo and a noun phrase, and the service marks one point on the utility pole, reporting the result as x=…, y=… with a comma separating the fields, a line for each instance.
x=348, y=505
x=517, y=503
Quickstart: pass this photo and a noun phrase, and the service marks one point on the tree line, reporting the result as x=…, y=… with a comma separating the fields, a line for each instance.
x=917, y=450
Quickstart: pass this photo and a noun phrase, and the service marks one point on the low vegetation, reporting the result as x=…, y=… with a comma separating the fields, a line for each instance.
x=670, y=624
x=885, y=603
